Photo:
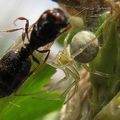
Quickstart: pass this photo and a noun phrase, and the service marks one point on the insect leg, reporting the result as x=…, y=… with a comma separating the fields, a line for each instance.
x=26, y=25
x=44, y=51
x=37, y=61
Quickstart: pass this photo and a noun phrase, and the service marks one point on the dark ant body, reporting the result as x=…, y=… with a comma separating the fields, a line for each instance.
x=15, y=65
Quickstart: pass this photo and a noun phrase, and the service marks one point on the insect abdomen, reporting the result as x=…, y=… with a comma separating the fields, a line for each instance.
x=12, y=72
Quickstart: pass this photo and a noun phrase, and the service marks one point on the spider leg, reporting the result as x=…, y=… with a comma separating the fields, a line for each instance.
x=73, y=92
x=99, y=73
x=67, y=90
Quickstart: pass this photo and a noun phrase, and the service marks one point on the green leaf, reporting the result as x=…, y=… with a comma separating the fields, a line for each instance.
x=25, y=107
x=105, y=63
x=110, y=111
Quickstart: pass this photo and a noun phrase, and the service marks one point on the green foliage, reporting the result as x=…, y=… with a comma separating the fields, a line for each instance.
x=25, y=107
x=32, y=102
x=111, y=111
x=107, y=62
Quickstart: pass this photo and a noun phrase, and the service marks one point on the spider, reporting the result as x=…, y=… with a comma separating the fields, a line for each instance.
x=82, y=49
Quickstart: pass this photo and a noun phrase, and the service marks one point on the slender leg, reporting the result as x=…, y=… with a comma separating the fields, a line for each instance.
x=16, y=29
x=37, y=61
x=67, y=90
x=26, y=25
x=73, y=92
x=99, y=73
x=44, y=51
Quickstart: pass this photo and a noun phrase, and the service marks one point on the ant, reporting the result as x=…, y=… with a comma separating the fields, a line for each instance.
x=15, y=65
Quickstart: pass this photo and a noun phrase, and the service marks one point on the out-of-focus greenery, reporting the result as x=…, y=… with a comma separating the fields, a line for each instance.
x=111, y=111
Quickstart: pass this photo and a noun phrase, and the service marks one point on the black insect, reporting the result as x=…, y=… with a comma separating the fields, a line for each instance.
x=15, y=65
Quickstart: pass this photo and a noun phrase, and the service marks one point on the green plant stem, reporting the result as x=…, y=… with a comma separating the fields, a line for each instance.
x=106, y=63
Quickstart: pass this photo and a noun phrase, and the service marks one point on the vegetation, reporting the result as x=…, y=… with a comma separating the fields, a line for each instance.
x=97, y=82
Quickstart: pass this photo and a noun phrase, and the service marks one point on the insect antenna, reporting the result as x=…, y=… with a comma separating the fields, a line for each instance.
x=12, y=30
